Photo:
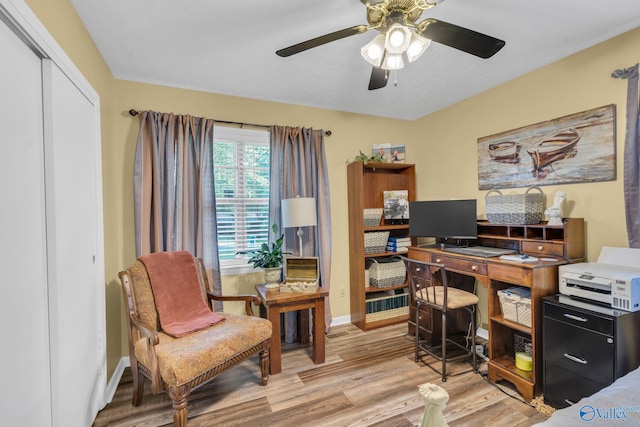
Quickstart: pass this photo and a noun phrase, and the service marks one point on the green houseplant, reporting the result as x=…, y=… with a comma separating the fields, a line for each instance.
x=270, y=259
x=375, y=158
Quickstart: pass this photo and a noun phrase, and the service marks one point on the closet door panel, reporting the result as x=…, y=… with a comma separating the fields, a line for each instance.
x=76, y=283
x=24, y=361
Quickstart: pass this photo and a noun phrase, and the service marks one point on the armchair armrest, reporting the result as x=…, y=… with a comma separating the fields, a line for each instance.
x=145, y=329
x=248, y=299
x=152, y=340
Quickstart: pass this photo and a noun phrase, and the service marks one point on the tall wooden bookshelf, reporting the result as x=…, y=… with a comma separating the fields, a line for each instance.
x=366, y=184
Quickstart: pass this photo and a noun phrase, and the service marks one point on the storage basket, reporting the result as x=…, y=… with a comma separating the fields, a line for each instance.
x=372, y=217
x=522, y=344
x=515, y=304
x=375, y=242
x=527, y=208
x=386, y=272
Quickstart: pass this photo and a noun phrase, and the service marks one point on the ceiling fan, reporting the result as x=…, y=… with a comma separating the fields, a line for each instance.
x=400, y=33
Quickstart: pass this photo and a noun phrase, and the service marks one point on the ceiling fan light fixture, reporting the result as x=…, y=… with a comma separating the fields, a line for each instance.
x=393, y=61
x=417, y=46
x=373, y=51
x=397, y=38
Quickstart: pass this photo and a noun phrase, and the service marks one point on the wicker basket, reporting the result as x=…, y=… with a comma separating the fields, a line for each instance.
x=522, y=344
x=386, y=272
x=515, y=304
x=527, y=208
x=372, y=217
x=375, y=242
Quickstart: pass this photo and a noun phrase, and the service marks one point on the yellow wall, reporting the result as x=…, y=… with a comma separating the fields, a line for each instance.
x=443, y=144
x=350, y=133
x=447, y=141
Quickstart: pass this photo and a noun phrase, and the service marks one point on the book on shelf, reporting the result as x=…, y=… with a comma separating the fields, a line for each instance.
x=387, y=302
x=401, y=249
x=398, y=244
x=399, y=239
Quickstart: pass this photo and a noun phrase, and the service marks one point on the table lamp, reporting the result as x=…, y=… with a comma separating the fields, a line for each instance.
x=299, y=212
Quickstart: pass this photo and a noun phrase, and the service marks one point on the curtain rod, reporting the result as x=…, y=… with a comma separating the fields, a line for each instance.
x=133, y=112
x=621, y=74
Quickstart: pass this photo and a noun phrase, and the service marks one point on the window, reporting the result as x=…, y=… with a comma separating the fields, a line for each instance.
x=241, y=158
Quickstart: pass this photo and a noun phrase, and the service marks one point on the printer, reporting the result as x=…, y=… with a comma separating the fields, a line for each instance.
x=614, y=280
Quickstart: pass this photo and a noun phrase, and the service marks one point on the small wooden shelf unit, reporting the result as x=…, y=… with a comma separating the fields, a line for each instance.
x=366, y=184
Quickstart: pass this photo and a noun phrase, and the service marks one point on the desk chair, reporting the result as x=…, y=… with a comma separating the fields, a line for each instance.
x=429, y=287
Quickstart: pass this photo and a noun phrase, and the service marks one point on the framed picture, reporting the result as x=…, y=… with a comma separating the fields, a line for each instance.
x=396, y=206
x=397, y=154
x=389, y=152
x=382, y=150
x=577, y=148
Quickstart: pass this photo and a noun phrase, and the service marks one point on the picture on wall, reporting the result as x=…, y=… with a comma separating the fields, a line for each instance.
x=577, y=148
x=396, y=207
x=389, y=152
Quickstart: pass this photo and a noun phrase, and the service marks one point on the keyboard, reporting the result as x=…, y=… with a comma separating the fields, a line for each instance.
x=480, y=251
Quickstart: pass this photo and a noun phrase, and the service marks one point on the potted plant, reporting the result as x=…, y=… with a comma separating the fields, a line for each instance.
x=270, y=259
x=375, y=158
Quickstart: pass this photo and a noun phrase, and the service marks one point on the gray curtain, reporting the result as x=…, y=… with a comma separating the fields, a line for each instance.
x=174, y=193
x=632, y=160
x=299, y=168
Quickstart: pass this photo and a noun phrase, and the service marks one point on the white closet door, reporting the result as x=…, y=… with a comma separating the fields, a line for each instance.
x=24, y=360
x=76, y=289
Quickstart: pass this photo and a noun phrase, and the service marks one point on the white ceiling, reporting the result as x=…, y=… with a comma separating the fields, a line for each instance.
x=228, y=47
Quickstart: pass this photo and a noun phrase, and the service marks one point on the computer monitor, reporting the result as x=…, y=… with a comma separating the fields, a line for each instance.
x=444, y=219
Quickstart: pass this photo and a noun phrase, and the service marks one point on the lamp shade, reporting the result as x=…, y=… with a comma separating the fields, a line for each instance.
x=393, y=62
x=397, y=39
x=373, y=51
x=417, y=46
x=299, y=212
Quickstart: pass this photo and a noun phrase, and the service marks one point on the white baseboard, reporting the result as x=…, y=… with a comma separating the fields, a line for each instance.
x=483, y=333
x=342, y=320
x=115, y=378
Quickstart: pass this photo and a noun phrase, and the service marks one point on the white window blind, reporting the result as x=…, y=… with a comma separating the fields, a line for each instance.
x=241, y=158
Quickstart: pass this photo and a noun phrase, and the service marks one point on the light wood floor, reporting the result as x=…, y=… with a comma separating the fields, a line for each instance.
x=369, y=378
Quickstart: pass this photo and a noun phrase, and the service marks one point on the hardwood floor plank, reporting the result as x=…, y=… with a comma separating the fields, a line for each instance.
x=368, y=379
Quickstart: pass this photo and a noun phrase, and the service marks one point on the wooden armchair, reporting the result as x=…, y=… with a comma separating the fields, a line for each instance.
x=180, y=365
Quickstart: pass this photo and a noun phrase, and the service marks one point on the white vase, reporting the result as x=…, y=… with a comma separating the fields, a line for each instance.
x=272, y=276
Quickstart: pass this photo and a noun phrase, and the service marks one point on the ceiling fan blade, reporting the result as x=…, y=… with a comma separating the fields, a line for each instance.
x=378, y=79
x=463, y=39
x=318, y=41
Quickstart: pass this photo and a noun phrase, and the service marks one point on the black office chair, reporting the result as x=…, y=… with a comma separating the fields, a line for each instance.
x=429, y=287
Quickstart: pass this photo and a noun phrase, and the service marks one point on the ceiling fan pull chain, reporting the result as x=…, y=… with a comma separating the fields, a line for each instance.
x=395, y=80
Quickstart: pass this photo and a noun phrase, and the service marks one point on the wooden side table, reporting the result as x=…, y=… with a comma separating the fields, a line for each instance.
x=275, y=302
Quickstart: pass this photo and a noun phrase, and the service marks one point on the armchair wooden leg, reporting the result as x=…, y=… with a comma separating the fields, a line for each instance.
x=264, y=365
x=138, y=384
x=179, y=397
